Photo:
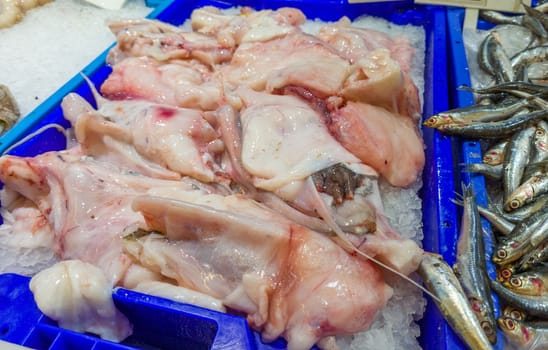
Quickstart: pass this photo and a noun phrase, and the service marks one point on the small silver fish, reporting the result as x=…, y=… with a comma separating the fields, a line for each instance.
x=535, y=25
x=440, y=280
x=492, y=171
x=541, y=17
x=526, y=210
x=476, y=113
x=483, y=54
x=495, y=218
x=535, y=169
x=470, y=266
x=510, y=87
x=527, y=192
x=499, y=18
x=532, y=305
x=524, y=58
x=529, y=283
x=500, y=62
x=518, y=242
x=539, y=151
x=540, y=233
x=495, y=154
x=498, y=221
x=524, y=334
x=497, y=129
x=516, y=157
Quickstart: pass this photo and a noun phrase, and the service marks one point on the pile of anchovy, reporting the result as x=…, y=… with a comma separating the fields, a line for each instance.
x=510, y=120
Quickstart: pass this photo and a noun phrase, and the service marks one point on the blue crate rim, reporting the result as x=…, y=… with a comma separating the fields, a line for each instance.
x=441, y=211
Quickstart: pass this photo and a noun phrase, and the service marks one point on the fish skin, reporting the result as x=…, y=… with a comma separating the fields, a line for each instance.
x=535, y=13
x=495, y=218
x=539, y=152
x=524, y=334
x=518, y=242
x=535, y=25
x=516, y=157
x=494, y=154
x=514, y=313
x=502, y=66
x=526, y=57
x=541, y=232
x=485, y=53
x=532, y=305
x=499, y=18
x=498, y=221
x=498, y=129
x=525, y=211
x=508, y=87
x=476, y=113
x=492, y=171
x=529, y=283
x=527, y=192
x=470, y=266
x=536, y=257
x=441, y=281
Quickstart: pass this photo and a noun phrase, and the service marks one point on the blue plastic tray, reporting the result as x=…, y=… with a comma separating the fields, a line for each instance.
x=469, y=151
x=168, y=325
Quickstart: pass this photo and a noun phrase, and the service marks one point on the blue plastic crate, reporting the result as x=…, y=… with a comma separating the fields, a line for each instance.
x=468, y=151
x=184, y=326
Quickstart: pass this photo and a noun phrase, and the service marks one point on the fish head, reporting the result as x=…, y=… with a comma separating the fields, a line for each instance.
x=540, y=135
x=480, y=308
x=492, y=158
x=515, y=282
x=513, y=204
x=501, y=254
x=490, y=330
x=515, y=330
x=438, y=120
x=508, y=252
x=514, y=313
x=517, y=199
x=532, y=285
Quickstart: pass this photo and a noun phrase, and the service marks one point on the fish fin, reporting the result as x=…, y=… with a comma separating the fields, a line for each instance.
x=458, y=202
x=466, y=88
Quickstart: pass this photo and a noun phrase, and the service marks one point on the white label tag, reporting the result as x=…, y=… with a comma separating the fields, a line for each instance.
x=497, y=5
x=470, y=18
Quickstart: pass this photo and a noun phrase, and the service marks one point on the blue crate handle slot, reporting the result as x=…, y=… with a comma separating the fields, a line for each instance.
x=153, y=318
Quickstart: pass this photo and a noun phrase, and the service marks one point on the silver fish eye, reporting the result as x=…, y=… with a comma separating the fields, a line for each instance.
x=514, y=204
x=506, y=273
x=516, y=315
x=516, y=282
x=486, y=326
